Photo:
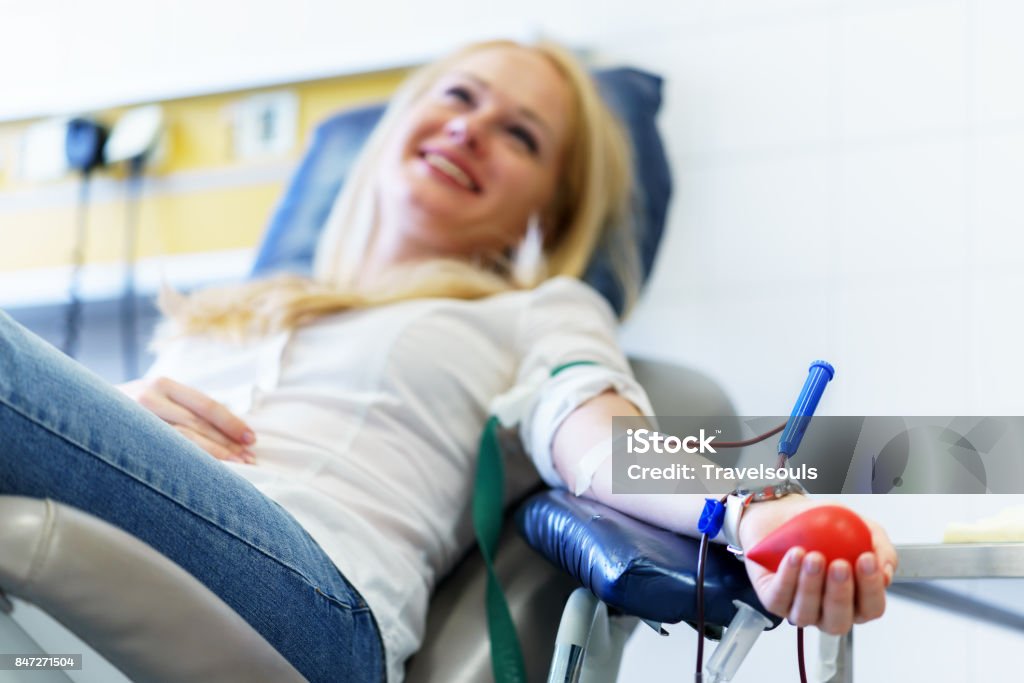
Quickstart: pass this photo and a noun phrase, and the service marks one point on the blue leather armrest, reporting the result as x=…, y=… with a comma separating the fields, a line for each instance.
x=632, y=566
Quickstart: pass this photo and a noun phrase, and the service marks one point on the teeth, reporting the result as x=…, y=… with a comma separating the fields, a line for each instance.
x=449, y=169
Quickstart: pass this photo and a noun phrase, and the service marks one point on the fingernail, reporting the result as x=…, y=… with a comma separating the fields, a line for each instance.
x=249, y=437
x=889, y=571
x=813, y=565
x=868, y=565
x=249, y=456
x=796, y=556
x=840, y=572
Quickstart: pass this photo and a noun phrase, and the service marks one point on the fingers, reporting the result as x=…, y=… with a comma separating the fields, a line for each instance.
x=211, y=411
x=181, y=417
x=834, y=597
x=871, y=583
x=166, y=409
x=837, y=607
x=215, y=449
x=806, y=609
x=781, y=587
x=198, y=417
x=887, y=558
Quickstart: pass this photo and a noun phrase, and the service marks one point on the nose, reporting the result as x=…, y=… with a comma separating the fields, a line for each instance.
x=466, y=130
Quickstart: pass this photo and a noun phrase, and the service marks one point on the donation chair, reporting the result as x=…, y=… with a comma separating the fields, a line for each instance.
x=156, y=623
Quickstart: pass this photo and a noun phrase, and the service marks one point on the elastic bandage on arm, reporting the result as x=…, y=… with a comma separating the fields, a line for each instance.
x=591, y=462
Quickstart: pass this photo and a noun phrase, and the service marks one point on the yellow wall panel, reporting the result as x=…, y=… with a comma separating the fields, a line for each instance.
x=205, y=199
x=227, y=219
x=171, y=224
x=322, y=98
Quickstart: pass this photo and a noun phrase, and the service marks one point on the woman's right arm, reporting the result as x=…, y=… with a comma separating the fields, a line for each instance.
x=196, y=416
x=803, y=589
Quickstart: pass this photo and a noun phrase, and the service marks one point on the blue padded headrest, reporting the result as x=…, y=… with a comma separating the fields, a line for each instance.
x=634, y=95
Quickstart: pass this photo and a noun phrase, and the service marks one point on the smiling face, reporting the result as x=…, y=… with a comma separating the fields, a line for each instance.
x=474, y=157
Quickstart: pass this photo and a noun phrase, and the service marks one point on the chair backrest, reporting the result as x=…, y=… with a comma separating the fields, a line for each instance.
x=291, y=236
x=677, y=390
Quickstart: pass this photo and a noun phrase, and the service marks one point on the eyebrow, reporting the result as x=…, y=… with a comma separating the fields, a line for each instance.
x=525, y=111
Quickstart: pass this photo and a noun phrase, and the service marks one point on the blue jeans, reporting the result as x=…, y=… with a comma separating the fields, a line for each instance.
x=67, y=435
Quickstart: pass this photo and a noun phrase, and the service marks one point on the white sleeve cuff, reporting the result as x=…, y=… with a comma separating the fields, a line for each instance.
x=559, y=397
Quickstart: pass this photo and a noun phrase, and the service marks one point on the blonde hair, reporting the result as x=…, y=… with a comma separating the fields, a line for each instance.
x=592, y=202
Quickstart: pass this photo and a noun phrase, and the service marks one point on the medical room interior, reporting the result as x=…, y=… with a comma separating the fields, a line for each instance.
x=845, y=185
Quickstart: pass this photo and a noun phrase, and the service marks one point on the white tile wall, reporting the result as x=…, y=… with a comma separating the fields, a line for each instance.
x=889, y=206
x=902, y=342
x=902, y=208
x=763, y=86
x=996, y=330
x=903, y=70
x=771, y=218
x=998, y=61
x=849, y=186
x=997, y=212
x=735, y=11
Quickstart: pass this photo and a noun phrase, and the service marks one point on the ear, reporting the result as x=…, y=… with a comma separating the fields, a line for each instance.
x=528, y=260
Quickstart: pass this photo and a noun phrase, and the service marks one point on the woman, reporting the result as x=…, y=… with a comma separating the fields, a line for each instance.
x=346, y=409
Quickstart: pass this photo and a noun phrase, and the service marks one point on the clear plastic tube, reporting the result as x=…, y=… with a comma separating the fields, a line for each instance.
x=739, y=637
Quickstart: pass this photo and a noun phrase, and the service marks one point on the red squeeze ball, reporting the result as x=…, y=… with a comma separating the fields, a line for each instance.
x=835, y=532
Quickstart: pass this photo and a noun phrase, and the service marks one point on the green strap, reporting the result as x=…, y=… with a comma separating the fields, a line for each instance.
x=571, y=364
x=506, y=655
x=488, y=508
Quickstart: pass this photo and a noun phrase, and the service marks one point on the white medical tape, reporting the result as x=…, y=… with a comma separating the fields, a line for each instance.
x=592, y=460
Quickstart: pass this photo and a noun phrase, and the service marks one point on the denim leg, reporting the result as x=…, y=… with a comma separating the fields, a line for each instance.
x=66, y=434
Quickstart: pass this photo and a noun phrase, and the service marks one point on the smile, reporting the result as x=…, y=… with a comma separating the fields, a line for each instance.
x=450, y=170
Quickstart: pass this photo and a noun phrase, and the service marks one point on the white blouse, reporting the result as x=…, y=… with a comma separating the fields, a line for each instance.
x=368, y=423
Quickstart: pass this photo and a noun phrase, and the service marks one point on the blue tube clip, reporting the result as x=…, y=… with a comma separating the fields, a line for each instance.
x=818, y=375
x=711, y=518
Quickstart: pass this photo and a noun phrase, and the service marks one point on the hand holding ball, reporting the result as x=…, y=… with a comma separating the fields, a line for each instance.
x=835, y=532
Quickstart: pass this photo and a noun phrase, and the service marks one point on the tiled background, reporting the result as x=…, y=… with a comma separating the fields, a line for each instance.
x=848, y=187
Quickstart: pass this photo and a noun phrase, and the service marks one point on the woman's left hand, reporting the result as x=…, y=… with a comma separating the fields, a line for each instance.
x=803, y=589
x=196, y=416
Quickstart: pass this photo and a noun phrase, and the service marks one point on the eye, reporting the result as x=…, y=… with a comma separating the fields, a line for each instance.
x=525, y=137
x=459, y=93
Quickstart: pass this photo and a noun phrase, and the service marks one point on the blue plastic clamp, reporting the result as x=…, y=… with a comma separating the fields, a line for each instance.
x=818, y=375
x=712, y=517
